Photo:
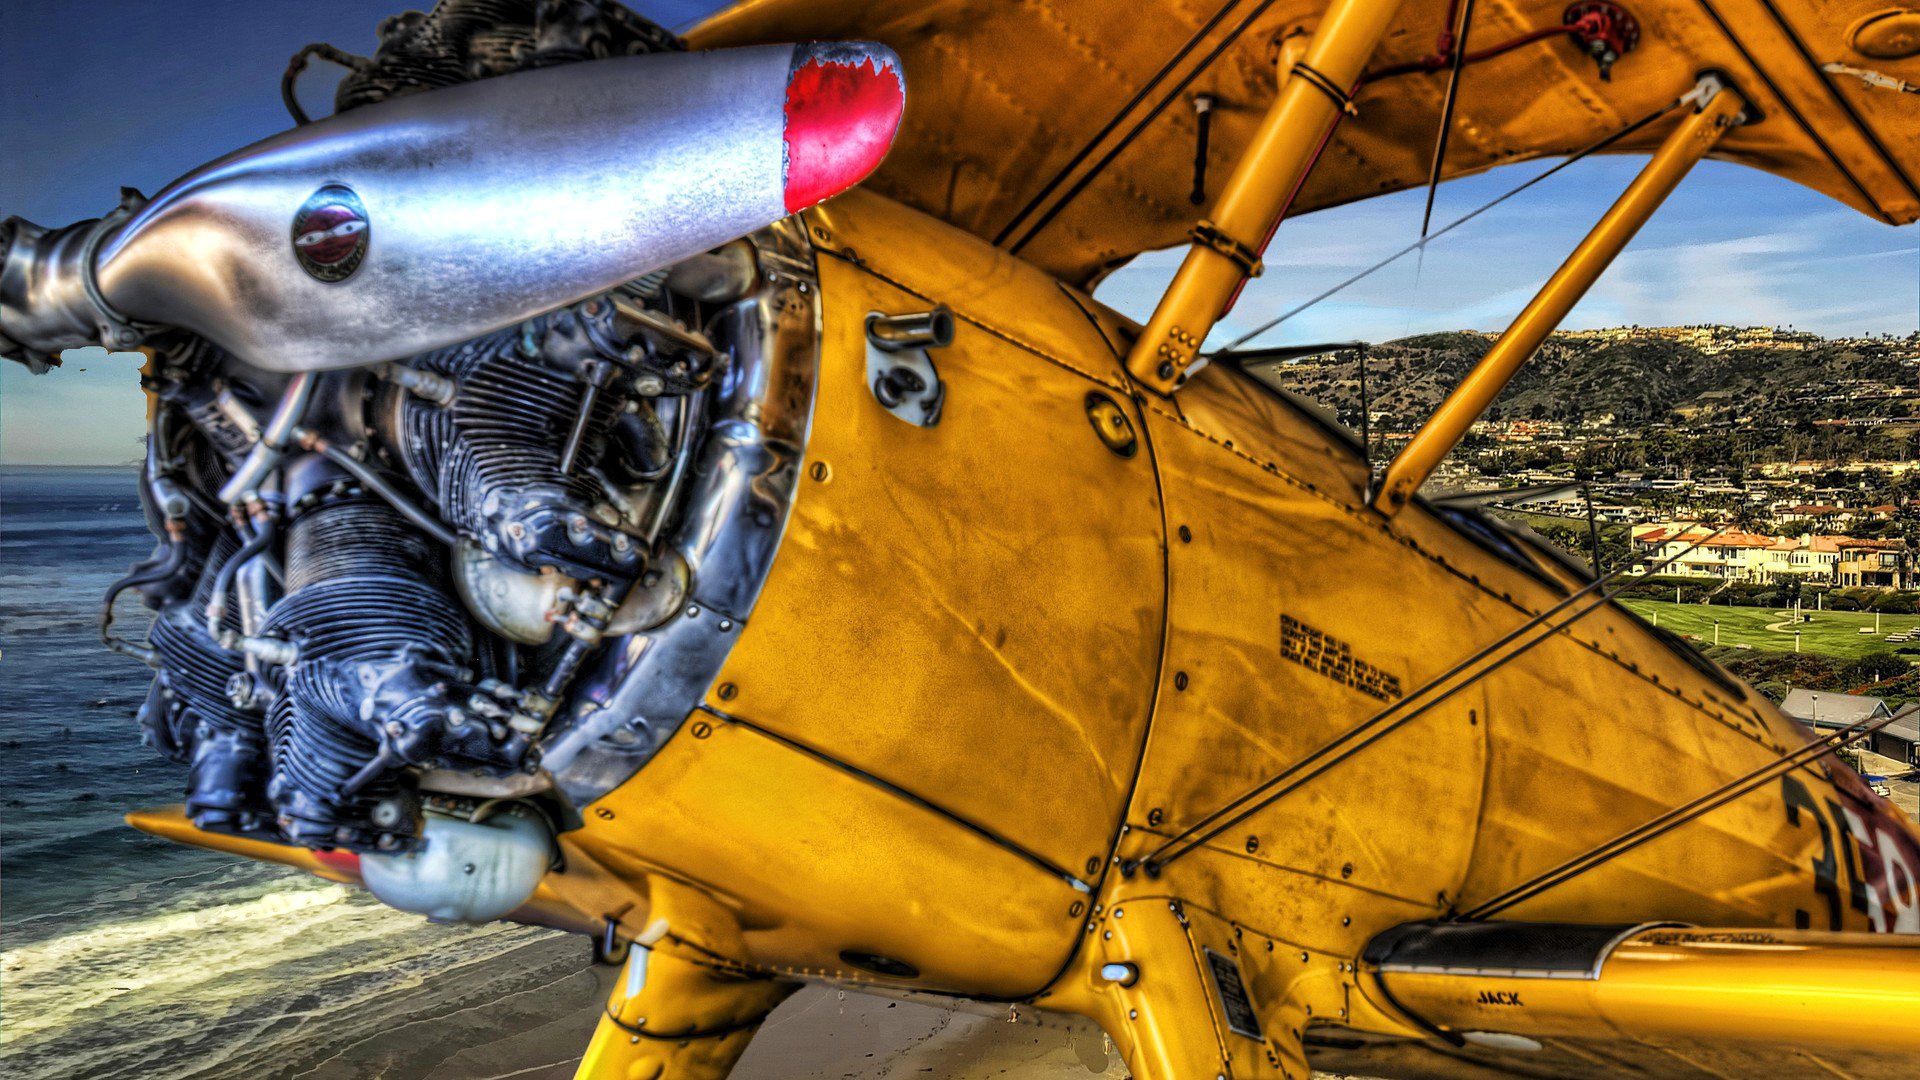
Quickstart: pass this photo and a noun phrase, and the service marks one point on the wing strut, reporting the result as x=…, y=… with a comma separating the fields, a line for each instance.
x=1225, y=249
x=1716, y=109
x=1578, y=155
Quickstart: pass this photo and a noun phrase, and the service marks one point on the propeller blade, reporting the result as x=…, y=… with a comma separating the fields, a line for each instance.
x=430, y=219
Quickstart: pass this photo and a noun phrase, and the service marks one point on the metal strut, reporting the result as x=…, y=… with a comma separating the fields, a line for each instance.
x=1716, y=110
x=1311, y=98
x=1578, y=155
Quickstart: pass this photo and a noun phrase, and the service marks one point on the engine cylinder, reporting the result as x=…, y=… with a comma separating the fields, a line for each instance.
x=190, y=714
x=366, y=598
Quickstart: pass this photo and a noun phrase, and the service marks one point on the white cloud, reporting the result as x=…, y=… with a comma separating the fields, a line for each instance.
x=1726, y=253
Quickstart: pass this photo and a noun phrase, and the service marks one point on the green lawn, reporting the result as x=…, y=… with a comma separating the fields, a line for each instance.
x=1831, y=633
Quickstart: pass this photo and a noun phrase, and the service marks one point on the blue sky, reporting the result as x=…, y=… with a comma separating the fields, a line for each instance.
x=101, y=93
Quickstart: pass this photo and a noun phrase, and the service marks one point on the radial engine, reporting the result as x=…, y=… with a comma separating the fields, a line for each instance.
x=462, y=592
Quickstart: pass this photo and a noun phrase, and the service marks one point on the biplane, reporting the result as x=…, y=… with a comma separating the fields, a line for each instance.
x=683, y=492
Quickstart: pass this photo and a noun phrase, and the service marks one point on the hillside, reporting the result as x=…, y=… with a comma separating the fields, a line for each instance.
x=1637, y=377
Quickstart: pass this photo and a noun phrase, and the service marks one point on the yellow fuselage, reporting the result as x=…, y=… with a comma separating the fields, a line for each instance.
x=996, y=660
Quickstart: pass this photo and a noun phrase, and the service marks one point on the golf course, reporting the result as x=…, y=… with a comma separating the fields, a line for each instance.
x=1828, y=633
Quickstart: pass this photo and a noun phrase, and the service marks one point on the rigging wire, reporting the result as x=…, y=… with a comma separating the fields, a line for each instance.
x=1674, y=818
x=1459, y=42
x=1374, y=728
x=1420, y=245
x=1425, y=65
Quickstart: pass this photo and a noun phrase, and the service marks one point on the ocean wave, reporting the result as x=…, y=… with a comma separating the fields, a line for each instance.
x=164, y=994
x=48, y=983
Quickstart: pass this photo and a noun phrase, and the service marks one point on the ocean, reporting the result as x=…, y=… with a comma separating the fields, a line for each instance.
x=124, y=956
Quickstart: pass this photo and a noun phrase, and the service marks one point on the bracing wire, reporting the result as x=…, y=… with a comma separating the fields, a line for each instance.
x=1342, y=747
x=1674, y=818
x=1456, y=65
x=1420, y=245
x=1459, y=63
x=1126, y=140
x=1100, y=136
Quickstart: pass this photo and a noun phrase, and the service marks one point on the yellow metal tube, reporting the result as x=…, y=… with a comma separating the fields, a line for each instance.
x=1225, y=250
x=171, y=823
x=1685, y=146
x=1808, y=988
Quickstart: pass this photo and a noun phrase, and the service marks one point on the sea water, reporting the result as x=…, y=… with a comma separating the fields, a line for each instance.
x=125, y=956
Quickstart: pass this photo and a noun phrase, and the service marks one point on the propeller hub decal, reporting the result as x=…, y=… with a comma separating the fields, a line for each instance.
x=330, y=233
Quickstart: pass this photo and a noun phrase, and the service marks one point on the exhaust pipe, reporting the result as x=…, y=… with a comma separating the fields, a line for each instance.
x=430, y=219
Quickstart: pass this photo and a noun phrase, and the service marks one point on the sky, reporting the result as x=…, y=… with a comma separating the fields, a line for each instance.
x=96, y=94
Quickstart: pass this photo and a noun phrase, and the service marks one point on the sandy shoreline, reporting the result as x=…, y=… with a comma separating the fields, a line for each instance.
x=537, y=1028
x=544, y=1004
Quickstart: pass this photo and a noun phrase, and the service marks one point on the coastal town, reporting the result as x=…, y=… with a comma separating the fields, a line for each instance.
x=1756, y=488
x=1787, y=456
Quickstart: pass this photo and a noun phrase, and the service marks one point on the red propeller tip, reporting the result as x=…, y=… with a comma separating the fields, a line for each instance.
x=844, y=102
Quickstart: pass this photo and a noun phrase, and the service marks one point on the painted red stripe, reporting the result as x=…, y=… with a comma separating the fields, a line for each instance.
x=844, y=103
x=346, y=862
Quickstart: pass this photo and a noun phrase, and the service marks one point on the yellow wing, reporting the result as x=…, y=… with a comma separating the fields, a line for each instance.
x=1013, y=107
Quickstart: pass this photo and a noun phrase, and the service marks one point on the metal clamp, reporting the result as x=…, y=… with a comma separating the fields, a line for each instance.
x=1245, y=257
x=116, y=330
x=1319, y=81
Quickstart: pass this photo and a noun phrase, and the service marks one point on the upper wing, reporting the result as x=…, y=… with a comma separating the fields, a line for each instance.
x=1012, y=108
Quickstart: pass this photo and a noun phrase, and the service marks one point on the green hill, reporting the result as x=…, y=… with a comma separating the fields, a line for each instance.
x=1643, y=380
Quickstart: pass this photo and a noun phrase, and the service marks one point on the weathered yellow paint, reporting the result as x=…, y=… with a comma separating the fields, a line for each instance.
x=1027, y=547
x=1686, y=144
x=994, y=656
x=804, y=860
x=1256, y=192
x=674, y=1011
